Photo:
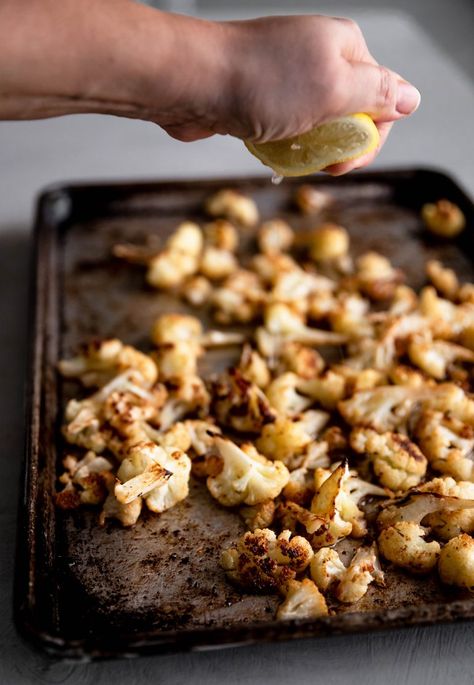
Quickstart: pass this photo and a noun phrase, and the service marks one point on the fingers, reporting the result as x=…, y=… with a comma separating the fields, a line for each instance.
x=365, y=160
x=188, y=133
x=376, y=90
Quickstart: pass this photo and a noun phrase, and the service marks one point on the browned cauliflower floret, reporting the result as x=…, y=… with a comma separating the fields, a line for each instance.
x=444, y=318
x=221, y=234
x=446, y=523
x=297, y=358
x=310, y=200
x=245, y=476
x=447, y=442
x=127, y=514
x=283, y=396
x=293, y=516
x=327, y=389
x=239, y=299
x=178, y=260
x=197, y=291
x=259, y=515
x=326, y=568
x=403, y=544
x=328, y=242
x=158, y=474
x=286, y=438
x=434, y=356
x=240, y=404
x=443, y=218
x=376, y=277
x=356, y=379
x=298, y=288
x=275, y=236
x=456, y=562
x=302, y=600
x=253, y=367
x=444, y=280
x=233, y=205
x=415, y=507
x=327, y=504
x=85, y=481
x=300, y=486
x=216, y=263
x=351, y=490
x=85, y=418
x=363, y=569
x=350, y=316
x=397, y=462
x=261, y=561
x=271, y=267
x=407, y=375
x=384, y=408
x=101, y=360
x=187, y=395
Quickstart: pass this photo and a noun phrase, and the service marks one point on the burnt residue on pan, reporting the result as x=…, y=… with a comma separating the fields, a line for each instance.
x=88, y=590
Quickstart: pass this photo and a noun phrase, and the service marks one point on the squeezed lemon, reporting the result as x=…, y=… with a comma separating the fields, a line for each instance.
x=340, y=140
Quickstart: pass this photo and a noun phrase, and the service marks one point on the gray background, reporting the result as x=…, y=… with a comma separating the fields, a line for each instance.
x=429, y=43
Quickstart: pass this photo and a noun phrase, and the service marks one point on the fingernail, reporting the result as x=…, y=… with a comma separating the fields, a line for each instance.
x=408, y=98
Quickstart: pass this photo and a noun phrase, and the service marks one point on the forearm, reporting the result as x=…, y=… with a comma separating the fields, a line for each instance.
x=111, y=56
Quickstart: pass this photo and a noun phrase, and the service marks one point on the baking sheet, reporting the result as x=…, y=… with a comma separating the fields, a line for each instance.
x=87, y=591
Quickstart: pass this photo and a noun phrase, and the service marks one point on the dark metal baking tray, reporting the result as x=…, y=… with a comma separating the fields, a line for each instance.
x=83, y=591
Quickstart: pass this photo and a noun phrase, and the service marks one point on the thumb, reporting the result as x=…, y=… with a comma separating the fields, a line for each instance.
x=382, y=93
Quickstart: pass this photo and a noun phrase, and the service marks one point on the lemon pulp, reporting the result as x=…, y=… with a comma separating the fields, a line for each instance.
x=340, y=140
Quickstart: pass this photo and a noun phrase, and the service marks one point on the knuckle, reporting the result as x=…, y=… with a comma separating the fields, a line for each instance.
x=386, y=90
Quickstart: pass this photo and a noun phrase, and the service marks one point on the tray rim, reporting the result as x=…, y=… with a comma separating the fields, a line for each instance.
x=45, y=233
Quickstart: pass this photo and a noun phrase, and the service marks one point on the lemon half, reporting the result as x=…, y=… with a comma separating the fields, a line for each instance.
x=340, y=140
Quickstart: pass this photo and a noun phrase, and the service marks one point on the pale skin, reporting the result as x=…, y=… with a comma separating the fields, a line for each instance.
x=264, y=79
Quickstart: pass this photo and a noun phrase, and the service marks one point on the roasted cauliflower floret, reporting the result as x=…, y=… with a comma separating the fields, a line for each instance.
x=352, y=490
x=456, y=562
x=434, y=356
x=246, y=476
x=376, y=277
x=158, y=474
x=416, y=506
x=384, y=408
x=297, y=358
x=239, y=299
x=300, y=486
x=444, y=318
x=127, y=514
x=446, y=523
x=310, y=200
x=221, y=234
x=171, y=328
x=261, y=561
x=326, y=568
x=253, y=367
x=179, y=259
x=404, y=545
x=259, y=515
x=328, y=242
x=217, y=263
x=197, y=290
x=275, y=236
x=302, y=600
x=284, y=397
x=350, y=316
x=361, y=572
x=85, y=481
x=327, y=504
x=240, y=404
x=233, y=205
x=271, y=267
x=443, y=218
x=397, y=462
x=444, y=280
x=286, y=438
x=327, y=389
x=448, y=444
x=101, y=360
x=293, y=516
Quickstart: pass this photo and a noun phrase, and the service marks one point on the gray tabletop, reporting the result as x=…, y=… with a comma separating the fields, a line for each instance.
x=33, y=155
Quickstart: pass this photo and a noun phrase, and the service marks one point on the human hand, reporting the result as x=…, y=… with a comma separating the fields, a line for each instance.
x=282, y=76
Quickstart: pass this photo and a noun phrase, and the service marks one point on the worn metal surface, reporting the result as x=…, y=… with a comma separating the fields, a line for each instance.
x=83, y=590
